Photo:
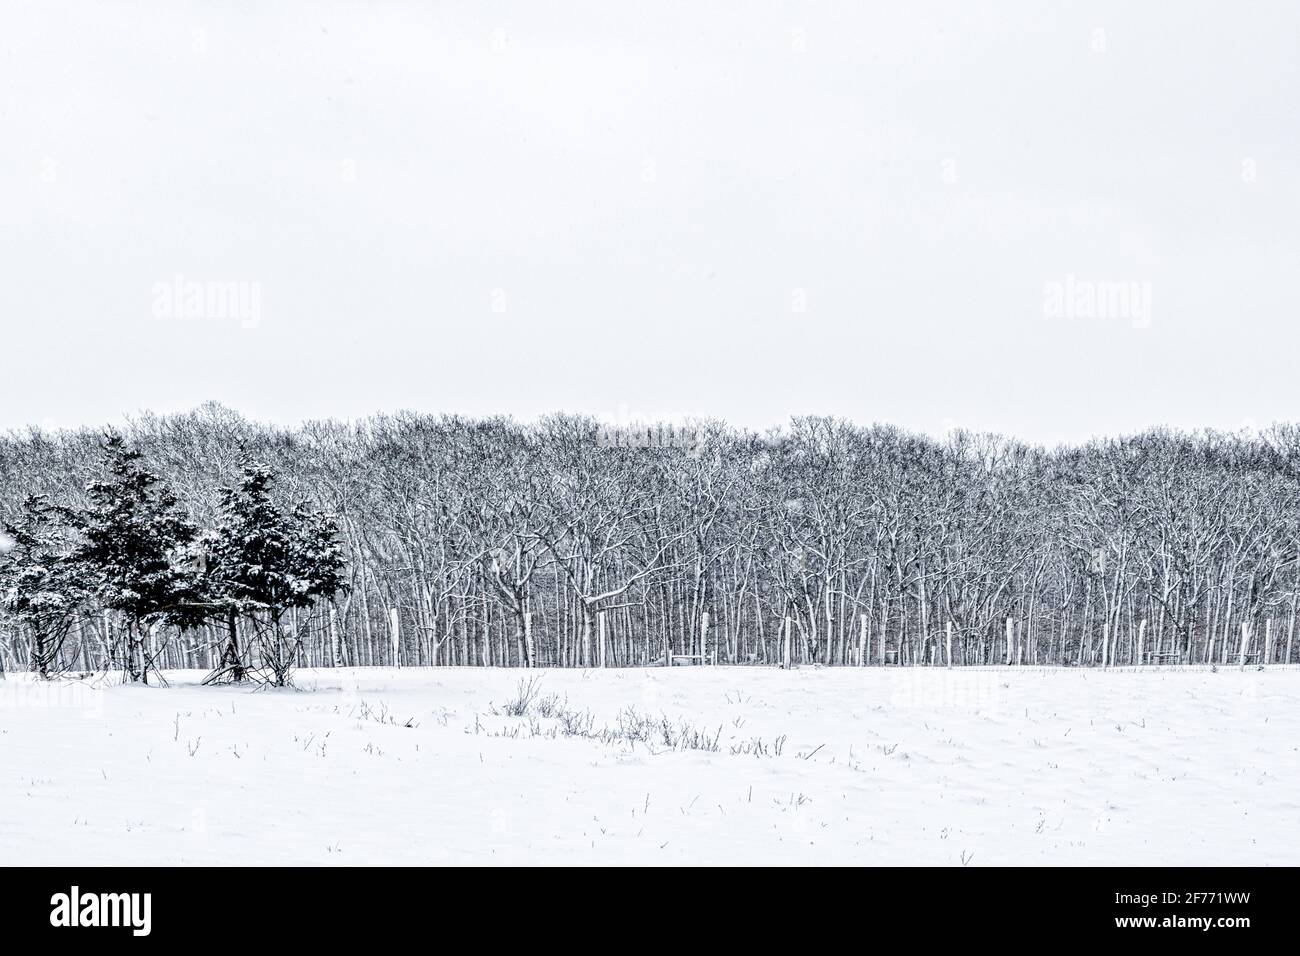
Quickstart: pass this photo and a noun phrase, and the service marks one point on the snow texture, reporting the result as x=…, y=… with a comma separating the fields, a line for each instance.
x=813, y=766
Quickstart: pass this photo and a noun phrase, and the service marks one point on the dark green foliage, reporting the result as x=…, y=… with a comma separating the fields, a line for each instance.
x=264, y=562
x=40, y=589
x=132, y=553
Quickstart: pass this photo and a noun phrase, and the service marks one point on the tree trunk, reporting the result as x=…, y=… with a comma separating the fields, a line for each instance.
x=232, y=665
x=395, y=634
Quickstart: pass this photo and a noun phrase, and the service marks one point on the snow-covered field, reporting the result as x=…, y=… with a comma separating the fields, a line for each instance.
x=813, y=766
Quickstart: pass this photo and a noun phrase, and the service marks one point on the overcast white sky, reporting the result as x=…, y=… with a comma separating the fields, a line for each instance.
x=620, y=208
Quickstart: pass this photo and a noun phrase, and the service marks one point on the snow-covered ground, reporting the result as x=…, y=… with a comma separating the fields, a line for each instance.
x=838, y=766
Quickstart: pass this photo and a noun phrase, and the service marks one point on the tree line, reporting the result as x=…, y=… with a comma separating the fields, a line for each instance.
x=131, y=553
x=444, y=540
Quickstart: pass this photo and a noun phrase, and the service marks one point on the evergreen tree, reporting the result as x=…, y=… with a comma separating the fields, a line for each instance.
x=134, y=554
x=264, y=562
x=39, y=587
